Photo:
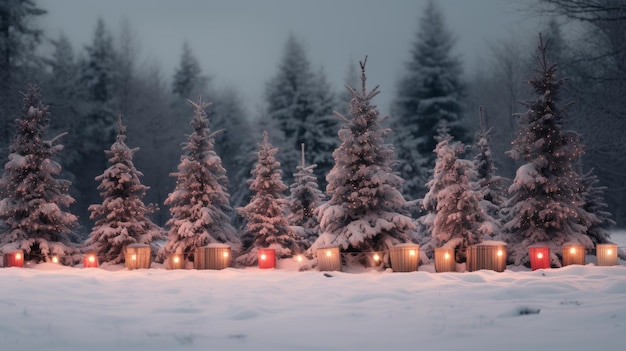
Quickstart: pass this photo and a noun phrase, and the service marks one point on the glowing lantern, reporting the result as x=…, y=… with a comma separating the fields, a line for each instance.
x=445, y=260
x=328, y=259
x=606, y=254
x=137, y=256
x=267, y=258
x=212, y=256
x=14, y=259
x=90, y=260
x=175, y=261
x=573, y=253
x=404, y=257
x=55, y=259
x=487, y=255
x=539, y=257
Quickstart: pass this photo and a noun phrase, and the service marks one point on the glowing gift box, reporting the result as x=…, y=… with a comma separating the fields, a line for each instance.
x=445, y=260
x=573, y=254
x=404, y=257
x=267, y=258
x=489, y=255
x=14, y=259
x=539, y=257
x=175, y=261
x=212, y=256
x=606, y=254
x=328, y=259
x=137, y=256
x=90, y=260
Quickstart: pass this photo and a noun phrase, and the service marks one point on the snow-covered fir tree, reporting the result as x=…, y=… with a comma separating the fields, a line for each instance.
x=33, y=199
x=593, y=197
x=300, y=104
x=304, y=198
x=459, y=218
x=490, y=185
x=199, y=205
x=266, y=224
x=122, y=218
x=430, y=91
x=365, y=211
x=545, y=206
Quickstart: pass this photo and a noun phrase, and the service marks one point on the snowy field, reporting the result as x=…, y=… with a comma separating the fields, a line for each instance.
x=47, y=307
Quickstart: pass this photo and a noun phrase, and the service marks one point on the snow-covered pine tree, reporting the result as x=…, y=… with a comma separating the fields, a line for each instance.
x=303, y=199
x=545, y=206
x=199, y=204
x=300, y=102
x=459, y=218
x=490, y=185
x=266, y=224
x=32, y=198
x=365, y=211
x=593, y=197
x=430, y=91
x=122, y=218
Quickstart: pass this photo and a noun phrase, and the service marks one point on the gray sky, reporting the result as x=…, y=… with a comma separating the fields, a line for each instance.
x=239, y=42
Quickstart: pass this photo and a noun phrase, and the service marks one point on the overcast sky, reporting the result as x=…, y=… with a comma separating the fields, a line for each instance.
x=239, y=42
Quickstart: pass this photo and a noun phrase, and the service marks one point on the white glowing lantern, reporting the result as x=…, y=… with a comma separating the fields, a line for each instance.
x=606, y=254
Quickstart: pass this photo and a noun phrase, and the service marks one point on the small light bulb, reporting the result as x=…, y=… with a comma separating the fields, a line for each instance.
x=263, y=257
x=18, y=256
x=225, y=254
x=446, y=256
x=609, y=252
x=540, y=255
x=134, y=257
x=412, y=253
x=299, y=258
x=176, y=259
x=572, y=250
x=376, y=257
x=55, y=259
x=499, y=253
x=328, y=253
x=92, y=258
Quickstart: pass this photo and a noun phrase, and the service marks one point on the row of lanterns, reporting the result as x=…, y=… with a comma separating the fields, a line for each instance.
x=404, y=258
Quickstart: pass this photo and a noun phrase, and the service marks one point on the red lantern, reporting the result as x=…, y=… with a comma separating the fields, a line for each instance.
x=539, y=257
x=90, y=261
x=267, y=258
x=14, y=259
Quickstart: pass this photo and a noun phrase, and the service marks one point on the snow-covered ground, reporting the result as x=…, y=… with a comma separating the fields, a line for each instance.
x=48, y=307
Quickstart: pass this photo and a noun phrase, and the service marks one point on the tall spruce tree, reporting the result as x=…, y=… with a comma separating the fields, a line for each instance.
x=32, y=198
x=266, y=224
x=365, y=211
x=304, y=197
x=300, y=102
x=188, y=79
x=545, y=206
x=430, y=91
x=19, y=38
x=199, y=205
x=122, y=218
